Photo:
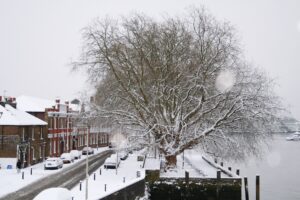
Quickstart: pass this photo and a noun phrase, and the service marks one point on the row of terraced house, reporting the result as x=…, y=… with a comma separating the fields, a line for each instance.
x=32, y=129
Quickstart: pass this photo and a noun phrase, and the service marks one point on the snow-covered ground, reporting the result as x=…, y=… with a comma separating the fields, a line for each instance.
x=11, y=181
x=192, y=163
x=114, y=179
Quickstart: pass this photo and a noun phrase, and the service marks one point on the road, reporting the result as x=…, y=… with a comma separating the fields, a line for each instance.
x=66, y=178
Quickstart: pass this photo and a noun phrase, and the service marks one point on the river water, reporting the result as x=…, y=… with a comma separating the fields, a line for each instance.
x=279, y=171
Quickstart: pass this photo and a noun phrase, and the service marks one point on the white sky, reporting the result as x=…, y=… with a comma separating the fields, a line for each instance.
x=38, y=39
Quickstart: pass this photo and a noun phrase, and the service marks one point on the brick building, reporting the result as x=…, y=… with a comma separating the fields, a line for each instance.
x=21, y=135
x=63, y=134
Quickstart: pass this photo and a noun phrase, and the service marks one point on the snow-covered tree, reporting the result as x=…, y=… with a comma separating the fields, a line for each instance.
x=182, y=81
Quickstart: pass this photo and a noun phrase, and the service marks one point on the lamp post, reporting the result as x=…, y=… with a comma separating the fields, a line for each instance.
x=87, y=165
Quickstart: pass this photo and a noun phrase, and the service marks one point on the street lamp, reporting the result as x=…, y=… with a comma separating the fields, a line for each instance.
x=87, y=165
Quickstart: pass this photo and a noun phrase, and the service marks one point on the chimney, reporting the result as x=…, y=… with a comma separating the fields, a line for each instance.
x=57, y=101
x=67, y=104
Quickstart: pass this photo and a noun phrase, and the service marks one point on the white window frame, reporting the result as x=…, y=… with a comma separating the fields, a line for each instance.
x=41, y=135
x=32, y=134
x=33, y=156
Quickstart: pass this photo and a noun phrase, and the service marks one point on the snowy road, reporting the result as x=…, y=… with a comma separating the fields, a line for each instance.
x=66, y=178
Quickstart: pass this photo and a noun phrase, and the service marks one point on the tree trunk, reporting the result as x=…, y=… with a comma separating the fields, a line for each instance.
x=171, y=161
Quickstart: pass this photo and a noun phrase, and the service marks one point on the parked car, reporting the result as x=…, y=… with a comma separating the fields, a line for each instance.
x=112, y=162
x=53, y=163
x=87, y=150
x=76, y=154
x=67, y=158
x=123, y=155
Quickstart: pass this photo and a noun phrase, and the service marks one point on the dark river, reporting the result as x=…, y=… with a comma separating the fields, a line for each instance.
x=279, y=171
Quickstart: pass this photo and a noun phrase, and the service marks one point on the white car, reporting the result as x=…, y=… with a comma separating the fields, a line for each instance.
x=53, y=163
x=87, y=150
x=67, y=158
x=76, y=154
x=112, y=162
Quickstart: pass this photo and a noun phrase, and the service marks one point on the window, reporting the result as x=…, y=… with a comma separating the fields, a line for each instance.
x=23, y=134
x=50, y=147
x=54, y=146
x=41, y=134
x=32, y=133
x=40, y=151
x=32, y=149
x=54, y=123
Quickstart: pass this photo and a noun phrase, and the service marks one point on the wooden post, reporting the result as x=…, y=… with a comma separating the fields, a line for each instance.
x=218, y=174
x=246, y=188
x=257, y=188
x=238, y=172
x=187, y=177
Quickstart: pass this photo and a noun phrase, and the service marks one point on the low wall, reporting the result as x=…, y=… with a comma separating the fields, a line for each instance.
x=196, y=189
x=129, y=193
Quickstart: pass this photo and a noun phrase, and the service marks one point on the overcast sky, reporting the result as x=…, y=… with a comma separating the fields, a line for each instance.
x=38, y=39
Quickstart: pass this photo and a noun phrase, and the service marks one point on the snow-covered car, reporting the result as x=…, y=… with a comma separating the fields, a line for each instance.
x=53, y=163
x=87, y=150
x=76, y=154
x=112, y=162
x=54, y=194
x=123, y=155
x=67, y=158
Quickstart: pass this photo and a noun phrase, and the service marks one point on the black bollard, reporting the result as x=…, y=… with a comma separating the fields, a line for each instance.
x=218, y=174
x=238, y=172
x=104, y=187
x=229, y=168
x=100, y=171
x=94, y=176
x=257, y=188
x=80, y=186
x=123, y=179
x=30, y=171
x=221, y=164
x=187, y=177
x=23, y=175
x=246, y=188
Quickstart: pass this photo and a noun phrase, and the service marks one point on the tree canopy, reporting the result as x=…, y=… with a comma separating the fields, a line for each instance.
x=181, y=81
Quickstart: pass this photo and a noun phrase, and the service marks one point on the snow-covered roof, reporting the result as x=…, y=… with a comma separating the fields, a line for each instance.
x=33, y=104
x=12, y=116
